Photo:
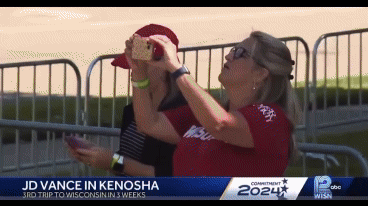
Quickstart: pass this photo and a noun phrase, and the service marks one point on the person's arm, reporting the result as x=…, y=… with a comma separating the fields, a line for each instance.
x=148, y=120
x=230, y=127
x=101, y=158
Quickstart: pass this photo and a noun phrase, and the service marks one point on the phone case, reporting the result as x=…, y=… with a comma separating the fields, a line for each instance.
x=77, y=142
x=142, y=50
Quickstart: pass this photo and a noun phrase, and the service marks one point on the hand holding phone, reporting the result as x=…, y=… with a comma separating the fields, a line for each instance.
x=142, y=49
x=76, y=142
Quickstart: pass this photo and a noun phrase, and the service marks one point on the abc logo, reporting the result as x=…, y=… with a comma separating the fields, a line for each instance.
x=336, y=189
x=335, y=186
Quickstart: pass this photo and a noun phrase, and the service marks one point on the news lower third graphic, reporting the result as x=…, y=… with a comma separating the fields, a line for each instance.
x=185, y=188
x=263, y=188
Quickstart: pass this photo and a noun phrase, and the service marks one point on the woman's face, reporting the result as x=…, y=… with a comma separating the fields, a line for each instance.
x=238, y=71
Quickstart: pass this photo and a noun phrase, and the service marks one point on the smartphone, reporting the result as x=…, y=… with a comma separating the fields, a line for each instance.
x=77, y=142
x=142, y=49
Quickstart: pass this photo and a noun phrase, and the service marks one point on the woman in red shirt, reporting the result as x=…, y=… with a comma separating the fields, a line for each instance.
x=251, y=136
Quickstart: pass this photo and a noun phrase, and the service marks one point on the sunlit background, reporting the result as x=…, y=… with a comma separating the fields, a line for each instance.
x=82, y=34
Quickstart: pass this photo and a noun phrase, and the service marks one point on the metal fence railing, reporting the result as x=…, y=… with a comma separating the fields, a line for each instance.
x=339, y=50
x=115, y=132
x=34, y=106
x=183, y=53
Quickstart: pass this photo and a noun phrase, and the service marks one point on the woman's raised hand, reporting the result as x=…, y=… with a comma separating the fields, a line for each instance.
x=169, y=61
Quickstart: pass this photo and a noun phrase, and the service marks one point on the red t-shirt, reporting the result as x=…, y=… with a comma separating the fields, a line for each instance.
x=200, y=154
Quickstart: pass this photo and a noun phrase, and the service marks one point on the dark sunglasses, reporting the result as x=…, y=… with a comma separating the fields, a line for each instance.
x=240, y=52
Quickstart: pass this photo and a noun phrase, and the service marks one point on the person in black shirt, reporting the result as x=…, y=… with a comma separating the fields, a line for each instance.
x=143, y=155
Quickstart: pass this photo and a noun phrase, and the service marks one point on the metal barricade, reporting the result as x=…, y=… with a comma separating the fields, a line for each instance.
x=31, y=108
x=335, y=149
x=338, y=59
x=114, y=132
x=183, y=52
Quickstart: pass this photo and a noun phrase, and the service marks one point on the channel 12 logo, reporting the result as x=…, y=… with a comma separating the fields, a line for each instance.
x=323, y=187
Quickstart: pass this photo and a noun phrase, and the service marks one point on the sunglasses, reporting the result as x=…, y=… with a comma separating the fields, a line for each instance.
x=240, y=52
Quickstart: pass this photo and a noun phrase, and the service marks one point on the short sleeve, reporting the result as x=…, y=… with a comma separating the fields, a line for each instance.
x=269, y=127
x=181, y=118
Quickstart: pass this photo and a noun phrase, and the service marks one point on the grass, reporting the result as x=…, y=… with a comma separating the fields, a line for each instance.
x=354, y=140
x=56, y=114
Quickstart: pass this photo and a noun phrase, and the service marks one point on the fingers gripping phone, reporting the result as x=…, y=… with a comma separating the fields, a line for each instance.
x=76, y=142
x=142, y=49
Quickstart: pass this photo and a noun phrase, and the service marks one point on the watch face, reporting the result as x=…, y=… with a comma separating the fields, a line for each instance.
x=186, y=69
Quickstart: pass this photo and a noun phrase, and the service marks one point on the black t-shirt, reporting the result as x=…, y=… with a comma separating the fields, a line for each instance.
x=144, y=148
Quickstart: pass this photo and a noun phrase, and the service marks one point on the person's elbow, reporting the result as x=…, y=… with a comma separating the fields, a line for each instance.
x=217, y=126
x=146, y=126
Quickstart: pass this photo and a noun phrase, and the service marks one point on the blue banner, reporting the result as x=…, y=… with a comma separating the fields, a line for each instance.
x=112, y=188
x=184, y=188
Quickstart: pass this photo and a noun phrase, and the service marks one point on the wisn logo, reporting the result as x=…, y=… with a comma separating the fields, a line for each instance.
x=322, y=187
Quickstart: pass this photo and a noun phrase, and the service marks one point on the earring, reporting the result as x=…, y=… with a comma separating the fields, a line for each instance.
x=254, y=87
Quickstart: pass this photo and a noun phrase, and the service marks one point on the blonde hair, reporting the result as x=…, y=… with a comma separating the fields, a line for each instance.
x=270, y=53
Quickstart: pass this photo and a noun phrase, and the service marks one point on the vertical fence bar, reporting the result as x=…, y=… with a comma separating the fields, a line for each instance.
x=99, y=103
x=1, y=117
x=360, y=76
x=49, y=120
x=337, y=71
x=53, y=154
x=304, y=165
x=64, y=97
x=196, y=67
x=17, y=134
x=48, y=114
x=100, y=97
x=209, y=72
x=222, y=64
x=34, y=132
x=346, y=166
x=64, y=106
x=64, y=115
x=349, y=74
x=113, y=100
x=296, y=64
x=325, y=84
x=325, y=164
x=337, y=77
x=113, y=113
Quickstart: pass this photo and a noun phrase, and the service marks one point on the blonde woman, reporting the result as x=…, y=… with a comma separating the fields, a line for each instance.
x=252, y=136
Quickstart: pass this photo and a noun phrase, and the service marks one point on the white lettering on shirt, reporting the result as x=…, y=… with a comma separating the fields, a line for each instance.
x=198, y=132
x=267, y=112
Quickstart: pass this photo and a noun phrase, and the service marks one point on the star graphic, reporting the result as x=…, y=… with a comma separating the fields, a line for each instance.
x=284, y=181
x=281, y=197
x=284, y=188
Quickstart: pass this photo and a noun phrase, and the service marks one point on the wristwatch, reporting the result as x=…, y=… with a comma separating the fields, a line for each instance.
x=182, y=70
x=117, y=163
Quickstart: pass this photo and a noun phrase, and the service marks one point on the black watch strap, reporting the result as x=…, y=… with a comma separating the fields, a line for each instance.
x=182, y=70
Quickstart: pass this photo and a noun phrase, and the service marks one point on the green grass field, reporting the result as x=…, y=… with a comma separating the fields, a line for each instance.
x=355, y=140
